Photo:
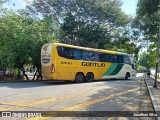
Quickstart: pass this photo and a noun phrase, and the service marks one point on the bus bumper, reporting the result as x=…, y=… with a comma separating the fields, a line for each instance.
x=49, y=77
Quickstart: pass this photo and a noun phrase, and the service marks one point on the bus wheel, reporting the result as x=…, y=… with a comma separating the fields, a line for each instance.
x=127, y=76
x=79, y=77
x=89, y=77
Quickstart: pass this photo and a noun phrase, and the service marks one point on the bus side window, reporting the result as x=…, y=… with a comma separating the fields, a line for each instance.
x=68, y=53
x=96, y=58
x=115, y=58
x=65, y=52
x=102, y=57
x=107, y=58
x=84, y=55
x=60, y=51
x=111, y=58
x=77, y=54
x=120, y=59
x=93, y=56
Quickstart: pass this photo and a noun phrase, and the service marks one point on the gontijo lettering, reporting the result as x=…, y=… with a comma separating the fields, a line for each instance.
x=92, y=64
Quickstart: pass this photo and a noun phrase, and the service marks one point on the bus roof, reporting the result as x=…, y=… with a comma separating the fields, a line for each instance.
x=92, y=49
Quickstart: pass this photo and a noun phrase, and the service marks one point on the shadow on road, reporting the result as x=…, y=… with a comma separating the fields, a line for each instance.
x=31, y=84
x=137, y=101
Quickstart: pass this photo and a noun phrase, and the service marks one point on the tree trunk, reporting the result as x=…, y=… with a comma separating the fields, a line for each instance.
x=23, y=71
x=35, y=75
x=39, y=72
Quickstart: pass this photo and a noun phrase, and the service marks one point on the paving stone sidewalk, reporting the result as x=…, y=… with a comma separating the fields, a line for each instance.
x=154, y=94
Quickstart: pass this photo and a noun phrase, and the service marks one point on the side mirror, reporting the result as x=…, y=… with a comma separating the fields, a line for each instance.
x=133, y=66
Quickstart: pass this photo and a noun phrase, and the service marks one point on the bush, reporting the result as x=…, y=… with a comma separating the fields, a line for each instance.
x=141, y=69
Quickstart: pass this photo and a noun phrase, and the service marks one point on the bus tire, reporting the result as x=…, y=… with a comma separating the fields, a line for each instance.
x=79, y=77
x=89, y=77
x=127, y=76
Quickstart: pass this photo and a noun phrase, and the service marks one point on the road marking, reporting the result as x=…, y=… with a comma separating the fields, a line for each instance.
x=82, y=105
x=37, y=102
x=15, y=105
x=88, y=103
x=43, y=101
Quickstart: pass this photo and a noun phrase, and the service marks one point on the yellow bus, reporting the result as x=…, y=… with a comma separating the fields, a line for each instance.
x=74, y=63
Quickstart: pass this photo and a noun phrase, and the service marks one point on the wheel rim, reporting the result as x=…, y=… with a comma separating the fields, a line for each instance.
x=89, y=77
x=79, y=78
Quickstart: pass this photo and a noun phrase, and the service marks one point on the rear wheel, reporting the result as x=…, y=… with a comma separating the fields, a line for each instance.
x=79, y=77
x=89, y=77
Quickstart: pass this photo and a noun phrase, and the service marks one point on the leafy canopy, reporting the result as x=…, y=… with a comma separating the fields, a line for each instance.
x=84, y=22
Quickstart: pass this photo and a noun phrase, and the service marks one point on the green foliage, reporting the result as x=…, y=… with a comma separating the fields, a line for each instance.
x=143, y=59
x=147, y=7
x=141, y=69
x=148, y=16
x=147, y=60
x=22, y=37
x=151, y=59
x=84, y=22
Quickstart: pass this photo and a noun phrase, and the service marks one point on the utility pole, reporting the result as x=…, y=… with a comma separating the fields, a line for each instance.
x=157, y=59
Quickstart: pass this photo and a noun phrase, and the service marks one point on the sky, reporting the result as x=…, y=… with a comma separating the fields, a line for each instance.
x=128, y=6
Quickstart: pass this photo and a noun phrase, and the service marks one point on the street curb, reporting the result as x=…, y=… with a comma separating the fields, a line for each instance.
x=155, y=106
x=14, y=81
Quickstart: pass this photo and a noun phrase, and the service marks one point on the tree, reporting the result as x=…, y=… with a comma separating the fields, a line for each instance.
x=148, y=16
x=83, y=22
x=2, y=2
x=143, y=60
x=147, y=7
x=22, y=38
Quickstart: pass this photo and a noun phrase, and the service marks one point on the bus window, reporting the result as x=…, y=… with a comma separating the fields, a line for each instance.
x=120, y=58
x=127, y=60
x=85, y=55
x=68, y=53
x=65, y=52
x=96, y=58
x=60, y=51
x=102, y=57
x=111, y=58
x=115, y=58
x=107, y=58
x=76, y=54
x=93, y=56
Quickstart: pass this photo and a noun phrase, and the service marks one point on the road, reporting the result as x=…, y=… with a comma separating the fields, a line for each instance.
x=109, y=95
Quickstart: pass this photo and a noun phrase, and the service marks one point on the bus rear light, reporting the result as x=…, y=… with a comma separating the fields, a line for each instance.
x=52, y=68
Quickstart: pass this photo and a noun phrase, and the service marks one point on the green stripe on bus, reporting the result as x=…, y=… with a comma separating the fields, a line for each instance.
x=110, y=69
x=117, y=69
x=113, y=69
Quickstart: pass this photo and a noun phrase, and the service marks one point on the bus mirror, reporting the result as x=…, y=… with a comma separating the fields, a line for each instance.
x=133, y=66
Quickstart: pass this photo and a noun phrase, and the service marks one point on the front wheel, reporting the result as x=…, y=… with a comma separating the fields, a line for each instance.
x=127, y=76
x=79, y=78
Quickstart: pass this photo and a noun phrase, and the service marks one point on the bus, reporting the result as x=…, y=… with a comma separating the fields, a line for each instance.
x=74, y=63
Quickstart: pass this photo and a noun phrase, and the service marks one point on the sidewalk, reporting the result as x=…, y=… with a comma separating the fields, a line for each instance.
x=154, y=94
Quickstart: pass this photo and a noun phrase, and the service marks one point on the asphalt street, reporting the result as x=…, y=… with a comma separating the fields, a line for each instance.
x=103, y=95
